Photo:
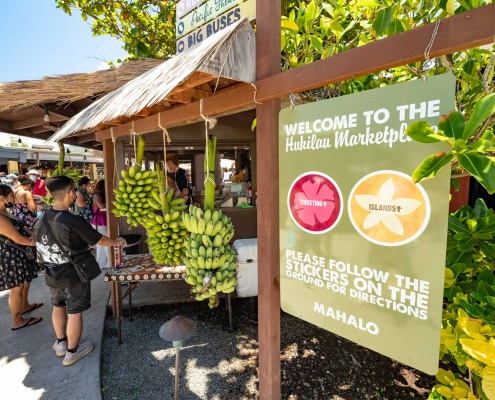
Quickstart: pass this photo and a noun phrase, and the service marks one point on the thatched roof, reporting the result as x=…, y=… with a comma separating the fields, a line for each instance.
x=236, y=46
x=64, y=89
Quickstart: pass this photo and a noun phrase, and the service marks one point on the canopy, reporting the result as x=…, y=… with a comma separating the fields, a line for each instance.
x=229, y=53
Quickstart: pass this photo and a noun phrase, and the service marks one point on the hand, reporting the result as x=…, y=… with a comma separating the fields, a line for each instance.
x=121, y=241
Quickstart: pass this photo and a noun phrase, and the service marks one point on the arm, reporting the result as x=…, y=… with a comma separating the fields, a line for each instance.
x=181, y=181
x=183, y=193
x=106, y=241
x=80, y=199
x=7, y=229
x=99, y=202
x=30, y=201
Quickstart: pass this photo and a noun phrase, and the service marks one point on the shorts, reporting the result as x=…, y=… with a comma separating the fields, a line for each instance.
x=76, y=298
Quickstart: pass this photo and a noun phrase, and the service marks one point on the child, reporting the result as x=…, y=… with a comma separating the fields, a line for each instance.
x=40, y=209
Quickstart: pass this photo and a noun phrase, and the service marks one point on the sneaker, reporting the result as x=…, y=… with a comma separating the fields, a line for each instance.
x=83, y=350
x=60, y=348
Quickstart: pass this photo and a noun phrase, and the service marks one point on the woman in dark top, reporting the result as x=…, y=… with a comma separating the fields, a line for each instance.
x=25, y=206
x=180, y=178
x=16, y=270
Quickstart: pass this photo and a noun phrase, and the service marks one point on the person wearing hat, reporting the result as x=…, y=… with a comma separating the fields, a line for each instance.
x=39, y=189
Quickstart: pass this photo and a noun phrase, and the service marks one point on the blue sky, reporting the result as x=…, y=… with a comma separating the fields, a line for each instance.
x=37, y=39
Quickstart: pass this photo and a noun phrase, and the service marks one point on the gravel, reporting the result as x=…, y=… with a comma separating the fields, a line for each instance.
x=217, y=364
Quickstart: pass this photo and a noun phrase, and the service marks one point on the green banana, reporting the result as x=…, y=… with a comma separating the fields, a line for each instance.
x=194, y=224
x=206, y=241
x=207, y=216
x=209, y=227
x=217, y=242
x=217, y=228
x=201, y=226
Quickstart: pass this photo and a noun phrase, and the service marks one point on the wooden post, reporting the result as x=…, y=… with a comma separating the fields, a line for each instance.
x=268, y=14
x=112, y=222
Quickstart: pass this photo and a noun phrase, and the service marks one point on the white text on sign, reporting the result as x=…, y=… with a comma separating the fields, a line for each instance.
x=245, y=10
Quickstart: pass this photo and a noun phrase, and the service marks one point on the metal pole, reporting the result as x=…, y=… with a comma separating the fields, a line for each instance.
x=177, y=356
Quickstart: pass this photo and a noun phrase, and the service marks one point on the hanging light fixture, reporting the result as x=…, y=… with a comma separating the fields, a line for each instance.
x=46, y=117
x=68, y=150
x=19, y=140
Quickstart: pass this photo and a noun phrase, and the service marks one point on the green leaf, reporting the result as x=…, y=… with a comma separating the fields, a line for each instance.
x=430, y=166
x=395, y=27
x=481, y=145
x=487, y=276
x=472, y=310
x=316, y=43
x=291, y=25
x=458, y=269
x=466, y=245
x=367, y=3
x=310, y=16
x=490, y=300
x=487, y=249
x=421, y=131
x=253, y=125
x=455, y=184
x=452, y=125
x=457, y=226
x=472, y=224
x=480, y=167
x=482, y=110
x=452, y=292
x=382, y=20
x=458, y=257
x=141, y=49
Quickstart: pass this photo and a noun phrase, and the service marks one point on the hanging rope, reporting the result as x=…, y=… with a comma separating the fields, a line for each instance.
x=133, y=139
x=429, y=64
x=166, y=139
x=255, y=91
x=115, y=172
x=292, y=99
x=211, y=122
x=223, y=65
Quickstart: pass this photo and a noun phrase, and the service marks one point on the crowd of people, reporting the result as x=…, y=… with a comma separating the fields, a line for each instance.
x=34, y=237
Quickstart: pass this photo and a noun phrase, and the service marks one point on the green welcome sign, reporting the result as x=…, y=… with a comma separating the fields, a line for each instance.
x=362, y=248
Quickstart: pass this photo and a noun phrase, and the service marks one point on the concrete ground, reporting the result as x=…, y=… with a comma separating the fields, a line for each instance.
x=29, y=368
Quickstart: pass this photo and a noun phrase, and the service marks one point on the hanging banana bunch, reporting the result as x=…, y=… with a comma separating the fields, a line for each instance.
x=210, y=261
x=61, y=171
x=135, y=190
x=167, y=234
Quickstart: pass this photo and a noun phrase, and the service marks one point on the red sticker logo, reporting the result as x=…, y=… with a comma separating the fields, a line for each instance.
x=315, y=202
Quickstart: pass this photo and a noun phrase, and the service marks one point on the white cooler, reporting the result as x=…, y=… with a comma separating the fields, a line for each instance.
x=247, y=267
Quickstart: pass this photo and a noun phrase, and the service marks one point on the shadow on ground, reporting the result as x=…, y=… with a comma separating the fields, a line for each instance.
x=217, y=364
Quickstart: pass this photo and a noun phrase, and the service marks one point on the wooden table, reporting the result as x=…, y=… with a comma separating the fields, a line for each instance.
x=138, y=268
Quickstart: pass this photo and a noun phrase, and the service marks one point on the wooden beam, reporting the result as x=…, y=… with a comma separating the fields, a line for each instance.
x=6, y=126
x=39, y=129
x=29, y=123
x=88, y=137
x=463, y=31
x=268, y=64
x=188, y=96
x=112, y=222
x=66, y=111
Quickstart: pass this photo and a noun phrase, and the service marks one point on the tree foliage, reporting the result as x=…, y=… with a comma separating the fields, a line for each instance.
x=146, y=27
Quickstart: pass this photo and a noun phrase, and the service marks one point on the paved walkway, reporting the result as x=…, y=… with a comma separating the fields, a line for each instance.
x=29, y=369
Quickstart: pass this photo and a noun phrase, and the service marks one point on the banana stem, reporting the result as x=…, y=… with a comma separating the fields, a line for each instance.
x=209, y=202
x=140, y=150
x=162, y=188
x=61, y=157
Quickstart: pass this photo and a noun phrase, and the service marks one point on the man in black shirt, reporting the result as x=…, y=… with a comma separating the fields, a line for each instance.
x=180, y=177
x=70, y=296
